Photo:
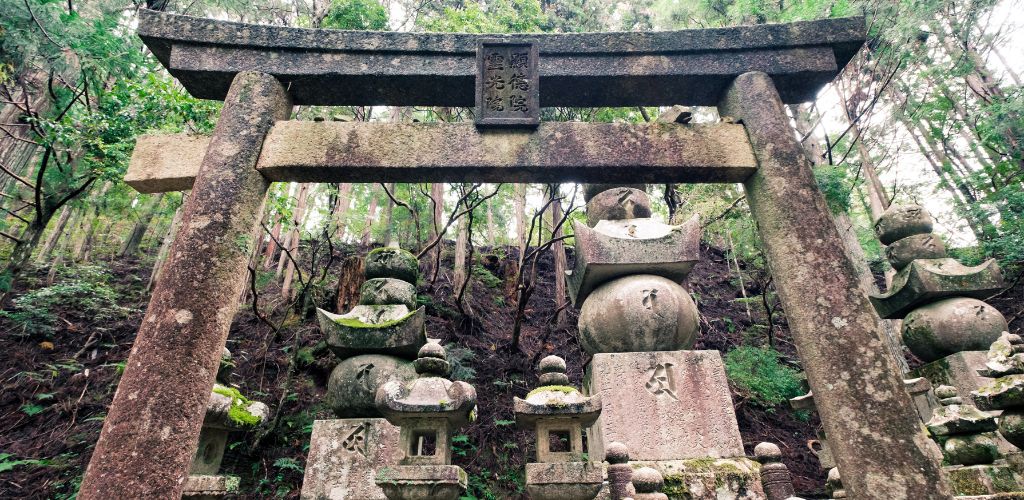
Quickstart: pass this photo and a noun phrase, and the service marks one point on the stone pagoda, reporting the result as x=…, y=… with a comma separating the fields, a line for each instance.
x=427, y=410
x=228, y=411
x=376, y=342
x=558, y=413
x=668, y=404
x=945, y=323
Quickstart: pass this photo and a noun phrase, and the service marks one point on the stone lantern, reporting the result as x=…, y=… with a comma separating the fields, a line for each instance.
x=426, y=410
x=559, y=413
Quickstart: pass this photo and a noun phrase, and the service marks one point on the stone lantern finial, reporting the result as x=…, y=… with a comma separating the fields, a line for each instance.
x=775, y=478
x=559, y=413
x=648, y=484
x=426, y=410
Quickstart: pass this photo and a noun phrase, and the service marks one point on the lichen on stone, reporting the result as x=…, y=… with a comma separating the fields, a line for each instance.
x=356, y=323
x=552, y=388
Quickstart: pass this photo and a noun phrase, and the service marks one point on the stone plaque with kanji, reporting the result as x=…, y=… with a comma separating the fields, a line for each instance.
x=507, y=90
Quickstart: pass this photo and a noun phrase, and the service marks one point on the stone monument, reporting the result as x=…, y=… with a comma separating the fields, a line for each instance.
x=944, y=322
x=668, y=404
x=970, y=446
x=558, y=413
x=427, y=410
x=376, y=342
x=227, y=411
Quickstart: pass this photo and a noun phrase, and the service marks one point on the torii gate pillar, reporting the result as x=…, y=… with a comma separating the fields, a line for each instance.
x=856, y=385
x=152, y=429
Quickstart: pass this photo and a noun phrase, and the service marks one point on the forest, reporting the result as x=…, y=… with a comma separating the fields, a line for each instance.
x=930, y=111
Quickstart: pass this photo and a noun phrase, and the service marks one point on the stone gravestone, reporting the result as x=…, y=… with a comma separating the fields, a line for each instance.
x=670, y=406
x=376, y=342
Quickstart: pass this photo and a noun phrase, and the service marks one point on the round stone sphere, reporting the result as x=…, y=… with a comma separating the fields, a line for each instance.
x=1011, y=427
x=353, y=384
x=951, y=325
x=389, y=262
x=638, y=313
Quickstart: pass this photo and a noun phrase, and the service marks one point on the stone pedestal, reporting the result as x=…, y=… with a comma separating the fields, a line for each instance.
x=669, y=405
x=206, y=487
x=705, y=479
x=983, y=479
x=345, y=455
x=958, y=370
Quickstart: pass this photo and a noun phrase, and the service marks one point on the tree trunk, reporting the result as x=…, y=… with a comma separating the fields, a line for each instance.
x=459, y=270
x=521, y=229
x=131, y=245
x=341, y=208
x=296, y=237
x=271, y=250
x=90, y=224
x=437, y=224
x=389, y=212
x=16, y=152
x=371, y=216
x=165, y=246
x=558, y=253
x=490, y=224
x=55, y=235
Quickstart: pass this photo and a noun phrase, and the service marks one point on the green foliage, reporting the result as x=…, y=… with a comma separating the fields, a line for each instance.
x=238, y=412
x=459, y=358
x=356, y=15
x=84, y=294
x=836, y=185
x=287, y=463
x=499, y=16
x=8, y=462
x=758, y=374
x=486, y=277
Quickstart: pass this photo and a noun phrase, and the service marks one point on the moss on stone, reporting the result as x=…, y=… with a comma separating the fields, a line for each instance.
x=964, y=483
x=238, y=412
x=675, y=486
x=356, y=323
x=552, y=388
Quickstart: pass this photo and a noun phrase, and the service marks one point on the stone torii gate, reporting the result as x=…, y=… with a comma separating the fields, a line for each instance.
x=152, y=428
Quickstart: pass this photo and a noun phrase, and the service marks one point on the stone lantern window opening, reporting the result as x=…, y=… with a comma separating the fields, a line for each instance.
x=425, y=441
x=424, y=444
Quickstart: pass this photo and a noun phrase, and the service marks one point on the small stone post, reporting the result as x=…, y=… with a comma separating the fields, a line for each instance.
x=876, y=436
x=152, y=429
x=775, y=478
x=648, y=483
x=620, y=474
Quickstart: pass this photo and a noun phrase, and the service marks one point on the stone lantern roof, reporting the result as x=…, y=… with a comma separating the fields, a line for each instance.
x=431, y=395
x=555, y=399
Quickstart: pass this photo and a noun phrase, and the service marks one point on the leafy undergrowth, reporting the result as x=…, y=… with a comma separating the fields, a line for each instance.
x=61, y=370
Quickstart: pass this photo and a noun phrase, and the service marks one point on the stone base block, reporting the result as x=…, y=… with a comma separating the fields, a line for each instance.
x=706, y=479
x=669, y=405
x=957, y=370
x=984, y=479
x=422, y=482
x=204, y=487
x=345, y=455
x=563, y=480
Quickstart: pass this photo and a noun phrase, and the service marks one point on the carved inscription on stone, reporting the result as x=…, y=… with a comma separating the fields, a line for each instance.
x=355, y=442
x=507, y=85
x=662, y=381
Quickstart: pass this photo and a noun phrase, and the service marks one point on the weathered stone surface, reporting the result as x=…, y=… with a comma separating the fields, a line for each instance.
x=208, y=487
x=163, y=163
x=709, y=479
x=618, y=471
x=592, y=190
x=613, y=249
x=927, y=280
x=389, y=262
x=958, y=370
x=984, y=480
x=1001, y=393
x=960, y=419
x=970, y=449
x=210, y=452
x=1005, y=356
x=507, y=90
x=901, y=221
x=352, y=386
x=1011, y=427
x=618, y=204
x=775, y=478
x=151, y=431
x=858, y=389
x=305, y=151
x=664, y=405
x=387, y=292
x=422, y=482
x=344, y=456
x=638, y=313
x=919, y=246
x=676, y=114
x=951, y=325
x=224, y=403
x=556, y=401
x=326, y=67
x=563, y=481
x=391, y=330
x=925, y=402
